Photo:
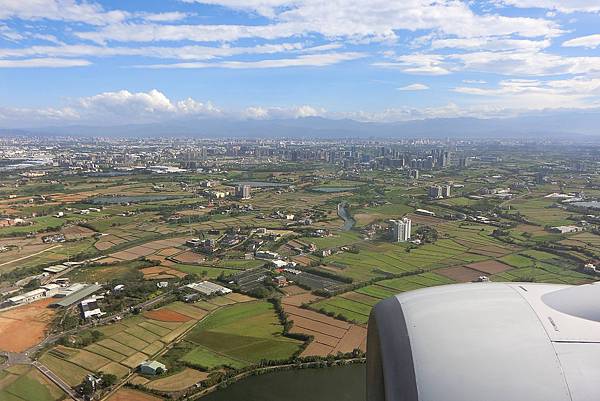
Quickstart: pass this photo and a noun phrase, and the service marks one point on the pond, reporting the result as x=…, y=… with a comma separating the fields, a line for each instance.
x=259, y=184
x=590, y=204
x=342, y=383
x=332, y=190
x=116, y=200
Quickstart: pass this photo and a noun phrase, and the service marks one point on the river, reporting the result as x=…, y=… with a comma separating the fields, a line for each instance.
x=344, y=214
x=342, y=383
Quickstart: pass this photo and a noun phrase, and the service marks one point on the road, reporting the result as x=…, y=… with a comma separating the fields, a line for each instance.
x=57, y=380
x=29, y=256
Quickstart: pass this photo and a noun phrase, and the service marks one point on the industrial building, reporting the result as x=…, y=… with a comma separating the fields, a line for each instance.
x=89, y=308
x=76, y=296
x=207, y=288
x=152, y=368
x=55, y=269
x=27, y=297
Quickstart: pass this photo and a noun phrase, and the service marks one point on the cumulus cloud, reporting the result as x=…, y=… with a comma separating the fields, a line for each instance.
x=140, y=106
x=266, y=113
x=125, y=107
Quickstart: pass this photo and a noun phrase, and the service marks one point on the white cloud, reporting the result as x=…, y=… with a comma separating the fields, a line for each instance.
x=10, y=34
x=140, y=106
x=512, y=62
x=589, y=41
x=266, y=113
x=355, y=20
x=491, y=44
x=508, y=98
x=420, y=64
x=538, y=95
x=474, y=81
x=43, y=63
x=308, y=60
x=414, y=87
x=164, y=17
x=183, y=52
x=61, y=10
x=524, y=63
x=565, y=6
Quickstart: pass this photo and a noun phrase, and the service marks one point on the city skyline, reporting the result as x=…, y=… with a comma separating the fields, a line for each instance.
x=66, y=62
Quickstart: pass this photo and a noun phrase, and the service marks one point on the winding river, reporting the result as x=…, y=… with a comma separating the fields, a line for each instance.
x=344, y=214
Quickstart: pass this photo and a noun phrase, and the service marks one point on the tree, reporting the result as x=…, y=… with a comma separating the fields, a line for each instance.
x=87, y=387
x=108, y=379
x=35, y=283
x=428, y=234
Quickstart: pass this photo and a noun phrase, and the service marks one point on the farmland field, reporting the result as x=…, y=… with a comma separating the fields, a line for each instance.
x=356, y=305
x=22, y=382
x=101, y=209
x=244, y=332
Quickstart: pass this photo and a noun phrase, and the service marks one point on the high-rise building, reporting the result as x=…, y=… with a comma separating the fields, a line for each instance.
x=414, y=174
x=435, y=192
x=401, y=229
x=243, y=191
x=446, y=191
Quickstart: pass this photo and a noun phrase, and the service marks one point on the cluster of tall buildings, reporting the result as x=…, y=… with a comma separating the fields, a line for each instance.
x=401, y=229
x=242, y=192
x=439, y=191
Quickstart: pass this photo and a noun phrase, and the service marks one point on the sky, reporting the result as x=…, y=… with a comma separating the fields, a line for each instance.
x=70, y=62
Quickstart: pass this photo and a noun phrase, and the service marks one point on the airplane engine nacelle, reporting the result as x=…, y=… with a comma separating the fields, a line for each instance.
x=486, y=342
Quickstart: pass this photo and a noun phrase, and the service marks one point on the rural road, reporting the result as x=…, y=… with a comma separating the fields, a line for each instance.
x=29, y=256
x=57, y=380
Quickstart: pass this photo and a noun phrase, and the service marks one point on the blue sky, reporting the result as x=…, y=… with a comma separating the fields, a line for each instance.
x=80, y=62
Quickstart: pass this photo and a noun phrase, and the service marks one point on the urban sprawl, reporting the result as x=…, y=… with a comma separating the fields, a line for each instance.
x=156, y=269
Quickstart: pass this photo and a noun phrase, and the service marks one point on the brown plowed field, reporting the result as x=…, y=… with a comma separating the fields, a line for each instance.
x=330, y=335
x=316, y=348
x=298, y=300
x=293, y=290
x=461, y=274
x=189, y=257
x=167, y=315
x=25, y=326
x=489, y=267
x=126, y=394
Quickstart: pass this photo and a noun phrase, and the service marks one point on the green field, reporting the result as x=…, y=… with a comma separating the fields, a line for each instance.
x=209, y=359
x=246, y=333
x=25, y=383
x=356, y=305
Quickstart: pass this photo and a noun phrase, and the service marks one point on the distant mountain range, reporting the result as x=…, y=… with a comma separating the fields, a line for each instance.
x=550, y=124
